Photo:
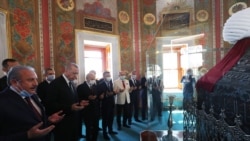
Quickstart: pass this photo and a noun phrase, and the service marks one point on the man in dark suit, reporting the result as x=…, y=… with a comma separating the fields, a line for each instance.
x=157, y=90
x=107, y=95
x=88, y=91
x=144, y=97
x=62, y=95
x=22, y=115
x=134, y=98
x=41, y=90
x=6, y=65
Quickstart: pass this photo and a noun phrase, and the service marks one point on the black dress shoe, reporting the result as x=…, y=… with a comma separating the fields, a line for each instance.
x=82, y=136
x=137, y=120
x=119, y=128
x=106, y=137
x=113, y=133
x=126, y=126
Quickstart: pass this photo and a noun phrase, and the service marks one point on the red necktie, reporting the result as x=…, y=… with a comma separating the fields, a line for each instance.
x=123, y=84
x=33, y=108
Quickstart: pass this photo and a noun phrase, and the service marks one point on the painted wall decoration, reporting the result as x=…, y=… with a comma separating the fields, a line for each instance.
x=123, y=17
x=98, y=13
x=204, y=24
x=202, y=15
x=237, y=7
x=24, y=37
x=63, y=33
x=102, y=9
x=125, y=32
x=149, y=19
x=148, y=33
x=66, y=5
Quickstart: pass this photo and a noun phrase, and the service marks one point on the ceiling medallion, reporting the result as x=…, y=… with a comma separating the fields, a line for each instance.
x=202, y=15
x=123, y=17
x=149, y=19
x=237, y=7
x=66, y=5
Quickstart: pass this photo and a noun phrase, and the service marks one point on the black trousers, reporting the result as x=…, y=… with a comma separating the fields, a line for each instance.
x=107, y=117
x=134, y=105
x=67, y=129
x=122, y=108
x=91, y=121
x=144, y=108
x=157, y=104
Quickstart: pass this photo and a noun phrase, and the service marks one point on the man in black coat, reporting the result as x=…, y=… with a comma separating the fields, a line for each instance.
x=22, y=116
x=107, y=95
x=42, y=88
x=144, y=97
x=62, y=96
x=88, y=91
x=7, y=64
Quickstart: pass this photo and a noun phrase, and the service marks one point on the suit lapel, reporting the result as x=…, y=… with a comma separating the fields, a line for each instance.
x=21, y=103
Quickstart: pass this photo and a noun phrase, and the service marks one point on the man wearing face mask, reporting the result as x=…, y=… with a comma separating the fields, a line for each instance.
x=42, y=88
x=122, y=89
x=107, y=96
x=134, y=98
x=88, y=91
x=157, y=89
x=62, y=95
x=188, y=82
x=22, y=115
x=7, y=64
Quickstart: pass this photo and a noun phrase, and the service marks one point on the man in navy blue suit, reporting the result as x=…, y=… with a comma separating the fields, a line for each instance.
x=107, y=95
x=134, y=98
x=22, y=116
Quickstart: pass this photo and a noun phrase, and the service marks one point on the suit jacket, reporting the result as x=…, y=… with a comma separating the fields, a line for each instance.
x=3, y=83
x=103, y=88
x=144, y=82
x=136, y=84
x=122, y=96
x=16, y=117
x=84, y=91
x=60, y=97
x=42, y=90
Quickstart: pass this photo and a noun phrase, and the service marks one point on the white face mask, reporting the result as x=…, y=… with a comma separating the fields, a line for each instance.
x=108, y=78
x=51, y=77
x=92, y=82
x=133, y=76
x=122, y=77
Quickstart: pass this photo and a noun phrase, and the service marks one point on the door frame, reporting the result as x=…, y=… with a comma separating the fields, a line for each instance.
x=112, y=40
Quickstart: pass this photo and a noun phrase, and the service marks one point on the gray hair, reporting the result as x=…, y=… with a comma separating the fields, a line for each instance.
x=89, y=74
x=15, y=72
x=69, y=66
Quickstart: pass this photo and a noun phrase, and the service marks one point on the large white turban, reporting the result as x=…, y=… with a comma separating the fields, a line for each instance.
x=237, y=26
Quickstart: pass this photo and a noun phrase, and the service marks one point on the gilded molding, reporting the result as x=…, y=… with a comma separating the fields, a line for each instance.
x=51, y=35
x=40, y=20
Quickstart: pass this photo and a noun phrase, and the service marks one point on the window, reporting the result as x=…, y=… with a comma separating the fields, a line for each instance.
x=170, y=70
x=95, y=59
